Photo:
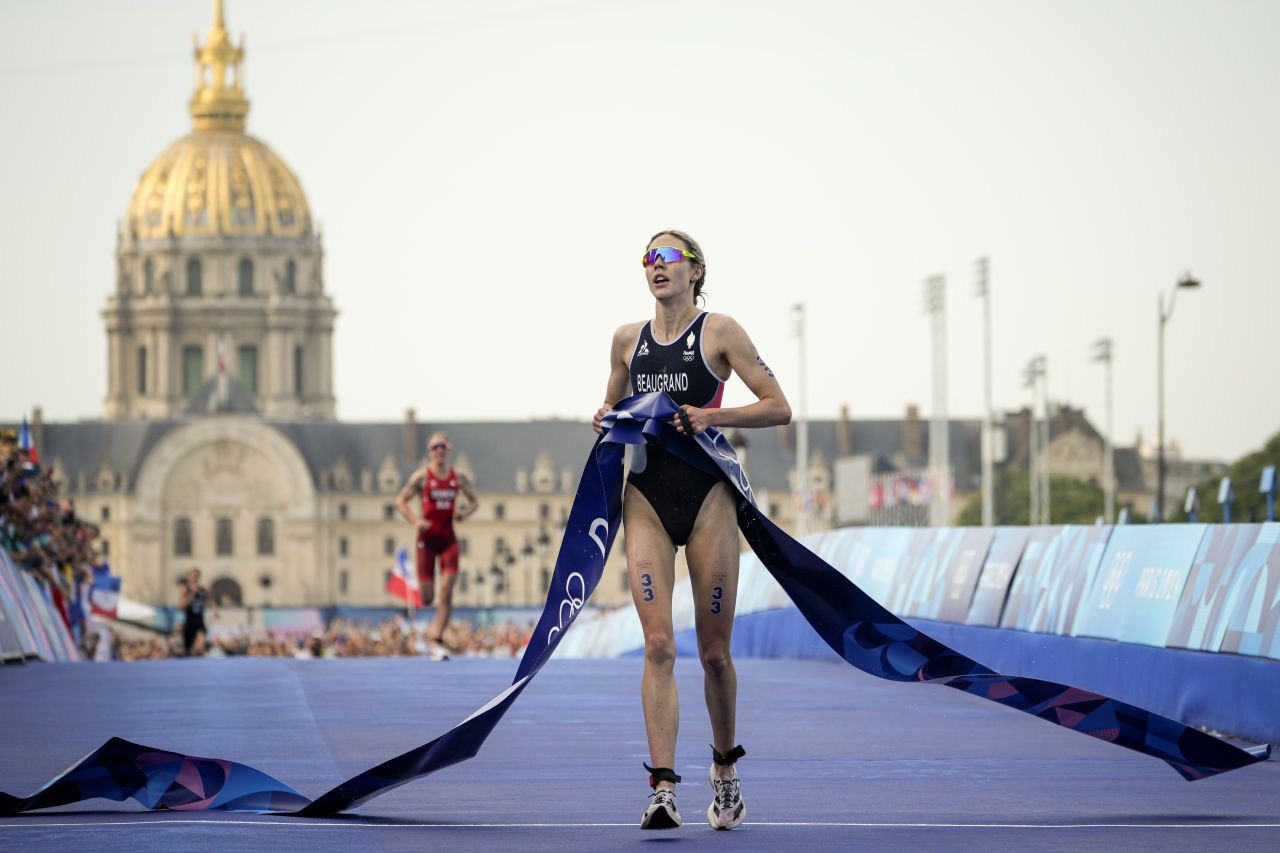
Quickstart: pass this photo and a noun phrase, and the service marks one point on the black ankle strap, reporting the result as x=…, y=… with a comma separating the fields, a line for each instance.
x=724, y=759
x=661, y=774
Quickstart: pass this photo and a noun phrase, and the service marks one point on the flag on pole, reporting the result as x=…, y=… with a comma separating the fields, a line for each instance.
x=104, y=598
x=27, y=443
x=403, y=583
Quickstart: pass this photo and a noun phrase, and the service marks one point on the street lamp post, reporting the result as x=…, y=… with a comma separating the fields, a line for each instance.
x=1185, y=282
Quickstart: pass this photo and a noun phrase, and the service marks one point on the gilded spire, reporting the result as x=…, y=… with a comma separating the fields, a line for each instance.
x=219, y=103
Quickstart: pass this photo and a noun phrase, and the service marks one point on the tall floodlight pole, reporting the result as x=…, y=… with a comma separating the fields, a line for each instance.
x=1188, y=282
x=1102, y=353
x=1045, y=434
x=802, y=428
x=1031, y=380
x=935, y=302
x=982, y=271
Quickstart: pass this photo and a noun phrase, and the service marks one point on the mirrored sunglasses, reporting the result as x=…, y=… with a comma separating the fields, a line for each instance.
x=668, y=255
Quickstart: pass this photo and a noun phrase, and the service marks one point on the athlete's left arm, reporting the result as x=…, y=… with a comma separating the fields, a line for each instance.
x=731, y=342
x=473, y=502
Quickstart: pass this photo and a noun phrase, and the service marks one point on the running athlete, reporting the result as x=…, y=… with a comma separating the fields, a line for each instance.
x=193, y=601
x=669, y=504
x=438, y=485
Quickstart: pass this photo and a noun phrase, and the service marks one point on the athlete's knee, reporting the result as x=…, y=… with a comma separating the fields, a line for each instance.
x=716, y=660
x=660, y=650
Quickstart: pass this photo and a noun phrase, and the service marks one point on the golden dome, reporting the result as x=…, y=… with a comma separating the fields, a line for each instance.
x=218, y=183
x=218, y=180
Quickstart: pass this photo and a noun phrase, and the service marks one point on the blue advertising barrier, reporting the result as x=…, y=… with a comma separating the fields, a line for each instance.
x=1226, y=693
x=1139, y=583
x=1053, y=576
x=997, y=572
x=1211, y=593
x=1200, y=619
x=1253, y=626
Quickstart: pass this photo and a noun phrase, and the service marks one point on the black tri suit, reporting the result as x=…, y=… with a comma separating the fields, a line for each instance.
x=673, y=487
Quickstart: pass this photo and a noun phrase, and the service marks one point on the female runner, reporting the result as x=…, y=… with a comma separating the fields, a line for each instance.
x=668, y=504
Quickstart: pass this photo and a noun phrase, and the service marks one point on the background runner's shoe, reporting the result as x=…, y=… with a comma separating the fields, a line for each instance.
x=437, y=651
x=662, y=812
x=727, y=809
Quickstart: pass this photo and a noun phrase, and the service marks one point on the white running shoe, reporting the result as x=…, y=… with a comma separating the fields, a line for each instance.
x=727, y=809
x=437, y=651
x=662, y=812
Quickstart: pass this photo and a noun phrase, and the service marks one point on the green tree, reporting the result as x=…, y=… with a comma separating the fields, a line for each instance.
x=1071, y=501
x=1245, y=472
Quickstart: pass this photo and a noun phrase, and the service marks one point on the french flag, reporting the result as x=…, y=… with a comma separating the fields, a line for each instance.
x=403, y=583
x=27, y=443
x=104, y=597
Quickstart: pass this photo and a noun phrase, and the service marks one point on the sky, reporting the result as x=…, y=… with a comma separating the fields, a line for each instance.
x=487, y=174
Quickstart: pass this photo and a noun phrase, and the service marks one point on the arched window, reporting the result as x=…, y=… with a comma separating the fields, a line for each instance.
x=222, y=538
x=195, y=277
x=149, y=276
x=182, y=537
x=290, y=283
x=389, y=546
x=244, y=278
x=266, y=537
x=225, y=592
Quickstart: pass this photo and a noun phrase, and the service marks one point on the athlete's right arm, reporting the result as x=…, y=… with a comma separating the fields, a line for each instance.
x=624, y=340
x=411, y=488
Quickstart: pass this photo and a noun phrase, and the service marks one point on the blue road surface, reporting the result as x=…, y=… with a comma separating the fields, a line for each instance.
x=836, y=760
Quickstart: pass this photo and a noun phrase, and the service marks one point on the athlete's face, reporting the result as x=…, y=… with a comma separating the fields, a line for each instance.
x=438, y=451
x=671, y=281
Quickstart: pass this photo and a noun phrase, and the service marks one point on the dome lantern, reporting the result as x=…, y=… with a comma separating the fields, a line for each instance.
x=219, y=103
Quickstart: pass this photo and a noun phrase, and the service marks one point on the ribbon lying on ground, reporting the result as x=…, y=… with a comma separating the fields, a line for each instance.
x=861, y=631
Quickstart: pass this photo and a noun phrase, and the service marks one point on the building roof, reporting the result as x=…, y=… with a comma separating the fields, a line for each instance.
x=492, y=450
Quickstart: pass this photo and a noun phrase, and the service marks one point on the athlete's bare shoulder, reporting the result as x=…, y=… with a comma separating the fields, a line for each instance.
x=720, y=331
x=625, y=337
x=628, y=331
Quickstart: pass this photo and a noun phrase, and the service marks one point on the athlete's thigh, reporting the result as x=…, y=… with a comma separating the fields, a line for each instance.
x=713, y=558
x=651, y=562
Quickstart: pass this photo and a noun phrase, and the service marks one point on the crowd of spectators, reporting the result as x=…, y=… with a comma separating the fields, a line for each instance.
x=41, y=531
x=395, y=637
